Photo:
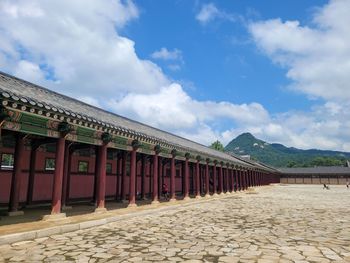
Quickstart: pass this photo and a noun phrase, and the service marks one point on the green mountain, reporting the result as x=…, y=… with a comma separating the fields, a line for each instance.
x=279, y=155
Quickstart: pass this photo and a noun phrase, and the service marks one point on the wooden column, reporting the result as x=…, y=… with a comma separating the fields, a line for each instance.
x=237, y=182
x=198, y=186
x=227, y=172
x=119, y=176
x=66, y=174
x=31, y=178
x=160, y=175
x=207, y=180
x=143, y=177
x=172, y=177
x=249, y=181
x=254, y=177
x=58, y=177
x=221, y=183
x=248, y=178
x=231, y=180
x=243, y=180
x=150, y=181
x=132, y=182
x=155, y=197
x=96, y=178
x=251, y=178
x=17, y=177
x=187, y=180
x=214, y=178
x=101, y=181
x=123, y=185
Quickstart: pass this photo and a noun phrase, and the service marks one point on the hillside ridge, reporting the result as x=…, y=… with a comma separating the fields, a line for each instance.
x=278, y=155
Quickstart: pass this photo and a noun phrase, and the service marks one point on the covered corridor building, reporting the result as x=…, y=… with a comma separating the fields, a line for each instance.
x=57, y=149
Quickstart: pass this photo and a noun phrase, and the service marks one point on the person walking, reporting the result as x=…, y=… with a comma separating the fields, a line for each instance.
x=165, y=191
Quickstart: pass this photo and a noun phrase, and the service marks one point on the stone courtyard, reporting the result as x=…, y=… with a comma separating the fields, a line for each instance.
x=281, y=223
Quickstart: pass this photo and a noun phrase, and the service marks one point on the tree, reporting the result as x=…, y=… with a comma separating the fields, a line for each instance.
x=217, y=145
x=291, y=164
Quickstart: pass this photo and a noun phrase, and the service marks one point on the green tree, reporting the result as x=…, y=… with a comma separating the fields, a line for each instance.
x=291, y=164
x=217, y=145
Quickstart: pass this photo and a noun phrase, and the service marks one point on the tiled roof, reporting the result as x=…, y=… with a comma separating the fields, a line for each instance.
x=22, y=90
x=316, y=170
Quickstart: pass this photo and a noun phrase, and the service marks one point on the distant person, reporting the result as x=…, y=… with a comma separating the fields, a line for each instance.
x=325, y=186
x=165, y=191
x=347, y=184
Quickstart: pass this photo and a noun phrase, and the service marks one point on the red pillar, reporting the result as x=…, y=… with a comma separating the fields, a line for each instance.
x=119, y=175
x=227, y=179
x=132, y=183
x=17, y=176
x=172, y=179
x=160, y=175
x=31, y=178
x=249, y=177
x=101, y=174
x=254, y=178
x=58, y=177
x=66, y=172
x=143, y=177
x=221, y=179
x=207, y=182
x=244, y=185
x=214, y=179
x=236, y=181
x=155, y=179
x=254, y=183
x=198, y=187
x=187, y=180
x=123, y=185
x=231, y=179
x=249, y=184
x=240, y=180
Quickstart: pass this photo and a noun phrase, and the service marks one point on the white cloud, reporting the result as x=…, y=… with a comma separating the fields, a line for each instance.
x=174, y=67
x=317, y=58
x=81, y=47
x=172, y=109
x=29, y=71
x=166, y=54
x=209, y=12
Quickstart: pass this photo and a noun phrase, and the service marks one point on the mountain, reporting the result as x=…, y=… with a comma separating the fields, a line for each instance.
x=279, y=155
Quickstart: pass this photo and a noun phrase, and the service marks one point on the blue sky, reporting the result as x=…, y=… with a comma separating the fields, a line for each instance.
x=204, y=70
x=220, y=60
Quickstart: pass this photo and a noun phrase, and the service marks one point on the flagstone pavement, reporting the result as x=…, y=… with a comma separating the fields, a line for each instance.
x=281, y=223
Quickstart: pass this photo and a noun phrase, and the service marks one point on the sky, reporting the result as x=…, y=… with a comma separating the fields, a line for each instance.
x=204, y=70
